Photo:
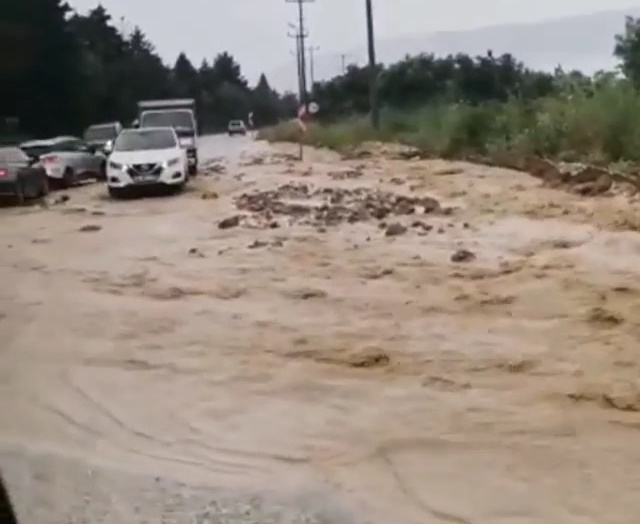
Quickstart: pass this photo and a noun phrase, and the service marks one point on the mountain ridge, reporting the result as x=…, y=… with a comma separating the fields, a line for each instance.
x=583, y=42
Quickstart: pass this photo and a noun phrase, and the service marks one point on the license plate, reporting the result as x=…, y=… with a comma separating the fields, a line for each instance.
x=146, y=178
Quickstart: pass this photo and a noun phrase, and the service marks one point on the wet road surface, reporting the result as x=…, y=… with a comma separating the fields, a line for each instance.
x=316, y=359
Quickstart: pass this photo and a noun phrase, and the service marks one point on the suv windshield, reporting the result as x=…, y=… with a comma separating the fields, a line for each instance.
x=100, y=133
x=12, y=155
x=145, y=140
x=175, y=118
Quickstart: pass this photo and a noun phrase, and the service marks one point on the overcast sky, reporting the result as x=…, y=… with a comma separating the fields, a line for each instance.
x=254, y=31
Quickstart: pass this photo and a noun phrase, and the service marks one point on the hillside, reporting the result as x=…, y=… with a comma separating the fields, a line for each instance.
x=578, y=42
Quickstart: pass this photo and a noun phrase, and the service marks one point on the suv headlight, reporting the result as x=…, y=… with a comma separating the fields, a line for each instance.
x=172, y=162
x=116, y=166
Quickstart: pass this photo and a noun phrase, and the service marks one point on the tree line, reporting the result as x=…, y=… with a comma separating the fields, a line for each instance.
x=61, y=71
x=425, y=78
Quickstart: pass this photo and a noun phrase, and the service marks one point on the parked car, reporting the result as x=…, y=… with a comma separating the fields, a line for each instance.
x=236, y=127
x=144, y=157
x=99, y=135
x=20, y=176
x=67, y=159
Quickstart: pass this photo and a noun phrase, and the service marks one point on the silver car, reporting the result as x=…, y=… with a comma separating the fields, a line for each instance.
x=66, y=159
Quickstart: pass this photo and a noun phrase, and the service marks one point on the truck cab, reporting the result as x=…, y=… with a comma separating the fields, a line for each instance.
x=179, y=114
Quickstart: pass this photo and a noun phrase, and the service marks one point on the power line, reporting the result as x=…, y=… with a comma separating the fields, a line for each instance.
x=297, y=35
x=343, y=61
x=312, y=71
x=304, y=98
x=373, y=69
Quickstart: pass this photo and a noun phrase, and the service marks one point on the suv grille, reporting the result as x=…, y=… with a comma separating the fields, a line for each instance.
x=136, y=170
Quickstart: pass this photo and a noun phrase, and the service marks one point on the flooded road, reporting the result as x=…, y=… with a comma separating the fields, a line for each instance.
x=339, y=341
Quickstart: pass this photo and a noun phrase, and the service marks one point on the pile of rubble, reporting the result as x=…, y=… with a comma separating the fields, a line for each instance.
x=347, y=173
x=213, y=166
x=579, y=178
x=332, y=206
x=391, y=151
x=265, y=158
x=575, y=177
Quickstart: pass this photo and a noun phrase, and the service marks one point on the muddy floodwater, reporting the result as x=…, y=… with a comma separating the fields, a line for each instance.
x=338, y=341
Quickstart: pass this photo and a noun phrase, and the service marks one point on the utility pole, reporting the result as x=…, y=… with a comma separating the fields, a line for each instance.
x=304, y=97
x=373, y=69
x=343, y=61
x=299, y=36
x=312, y=71
x=298, y=54
x=124, y=27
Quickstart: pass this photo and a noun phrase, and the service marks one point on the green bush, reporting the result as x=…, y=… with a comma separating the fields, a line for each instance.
x=601, y=124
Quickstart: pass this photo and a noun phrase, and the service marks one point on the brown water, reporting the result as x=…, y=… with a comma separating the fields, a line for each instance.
x=499, y=390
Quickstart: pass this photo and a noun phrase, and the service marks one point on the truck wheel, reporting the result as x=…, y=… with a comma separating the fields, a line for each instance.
x=193, y=170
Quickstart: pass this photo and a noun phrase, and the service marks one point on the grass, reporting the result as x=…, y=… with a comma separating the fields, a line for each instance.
x=601, y=126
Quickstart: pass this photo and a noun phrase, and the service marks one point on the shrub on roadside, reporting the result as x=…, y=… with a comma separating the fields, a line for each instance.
x=601, y=125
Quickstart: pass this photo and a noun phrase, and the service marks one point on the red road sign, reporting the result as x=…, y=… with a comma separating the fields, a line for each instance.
x=302, y=117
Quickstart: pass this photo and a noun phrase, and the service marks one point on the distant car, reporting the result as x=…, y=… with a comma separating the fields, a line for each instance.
x=20, y=176
x=236, y=127
x=149, y=156
x=99, y=135
x=66, y=159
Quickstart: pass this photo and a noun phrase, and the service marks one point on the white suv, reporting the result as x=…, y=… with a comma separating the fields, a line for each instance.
x=149, y=156
x=236, y=127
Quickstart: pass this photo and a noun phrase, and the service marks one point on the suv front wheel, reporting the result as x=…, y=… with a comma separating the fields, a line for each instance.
x=118, y=193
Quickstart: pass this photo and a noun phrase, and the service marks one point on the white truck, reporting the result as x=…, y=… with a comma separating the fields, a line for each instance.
x=179, y=114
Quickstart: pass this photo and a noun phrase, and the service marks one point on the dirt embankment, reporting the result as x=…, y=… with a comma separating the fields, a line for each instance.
x=416, y=340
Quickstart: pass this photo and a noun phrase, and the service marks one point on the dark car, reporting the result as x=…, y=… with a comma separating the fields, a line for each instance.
x=21, y=176
x=99, y=135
